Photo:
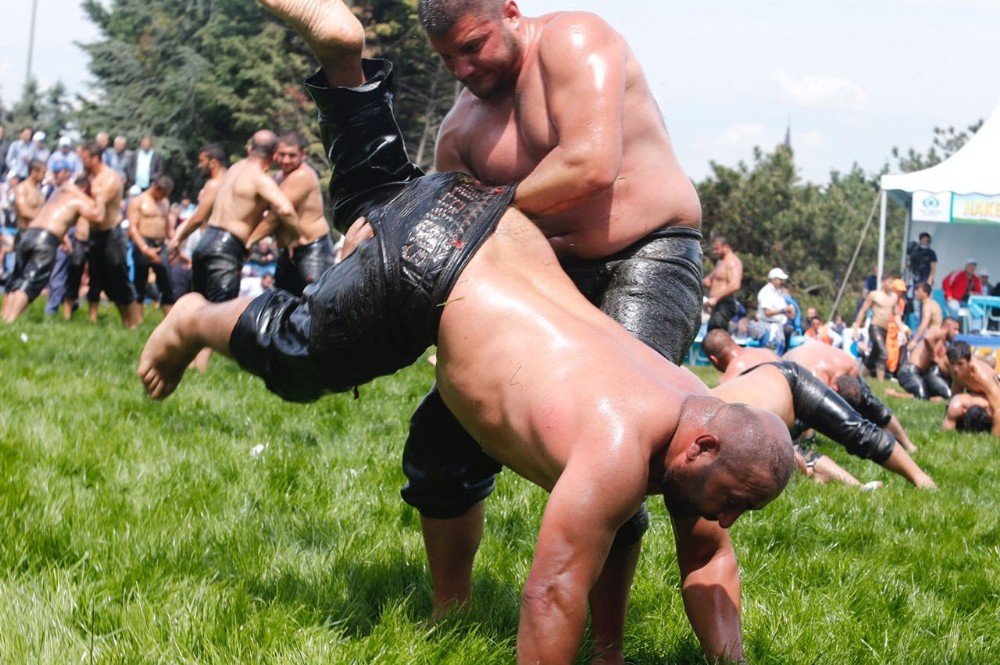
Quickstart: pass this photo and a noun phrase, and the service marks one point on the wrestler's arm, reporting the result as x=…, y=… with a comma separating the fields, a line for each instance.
x=447, y=155
x=864, y=310
x=925, y=320
x=583, y=63
x=710, y=586
x=206, y=201
x=99, y=194
x=132, y=213
x=281, y=206
x=595, y=495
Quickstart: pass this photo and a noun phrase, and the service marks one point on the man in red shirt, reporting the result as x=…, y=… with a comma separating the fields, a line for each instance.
x=960, y=284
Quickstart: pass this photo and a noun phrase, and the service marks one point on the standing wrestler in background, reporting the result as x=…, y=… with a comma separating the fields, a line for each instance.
x=107, y=245
x=306, y=251
x=545, y=105
x=150, y=229
x=244, y=195
x=723, y=283
x=36, y=253
x=882, y=303
x=28, y=199
x=212, y=164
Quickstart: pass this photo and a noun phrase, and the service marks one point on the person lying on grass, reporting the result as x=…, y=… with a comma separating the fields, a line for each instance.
x=799, y=397
x=547, y=384
x=976, y=401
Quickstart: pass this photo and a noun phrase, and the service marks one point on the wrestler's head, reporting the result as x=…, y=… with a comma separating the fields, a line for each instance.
x=922, y=291
x=951, y=327
x=162, y=187
x=720, y=247
x=478, y=41
x=959, y=357
x=262, y=145
x=976, y=419
x=290, y=152
x=36, y=169
x=92, y=157
x=725, y=459
x=211, y=157
x=719, y=347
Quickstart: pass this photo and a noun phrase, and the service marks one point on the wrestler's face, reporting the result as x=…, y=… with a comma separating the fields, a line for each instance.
x=718, y=250
x=204, y=164
x=482, y=53
x=710, y=492
x=961, y=366
x=62, y=177
x=289, y=157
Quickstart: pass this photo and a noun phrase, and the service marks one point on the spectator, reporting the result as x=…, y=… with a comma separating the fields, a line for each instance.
x=117, y=157
x=144, y=165
x=921, y=261
x=19, y=155
x=960, y=284
x=39, y=151
x=4, y=145
x=773, y=309
x=984, y=279
x=821, y=332
x=68, y=156
x=102, y=139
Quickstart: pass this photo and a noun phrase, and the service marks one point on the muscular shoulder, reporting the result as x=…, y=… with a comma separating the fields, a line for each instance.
x=574, y=30
x=453, y=134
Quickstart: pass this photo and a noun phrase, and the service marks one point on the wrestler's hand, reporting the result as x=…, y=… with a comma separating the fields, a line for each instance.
x=153, y=255
x=172, y=249
x=360, y=231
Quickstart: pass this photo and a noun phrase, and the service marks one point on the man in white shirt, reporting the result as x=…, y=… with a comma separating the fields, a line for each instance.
x=772, y=308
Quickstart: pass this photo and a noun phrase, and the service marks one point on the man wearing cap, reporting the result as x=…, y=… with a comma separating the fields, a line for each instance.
x=882, y=303
x=960, y=284
x=772, y=308
x=66, y=154
x=39, y=151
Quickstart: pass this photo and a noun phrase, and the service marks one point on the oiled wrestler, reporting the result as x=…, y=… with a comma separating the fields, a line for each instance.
x=36, y=253
x=151, y=230
x=508, y=309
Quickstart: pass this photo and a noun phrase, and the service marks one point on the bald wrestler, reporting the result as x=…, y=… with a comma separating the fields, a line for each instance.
x=28, y=199
x=428, y=242
x=976, y=388
x=882, y=303
x=839, y=371
x=36, y=253
x=815, y=405
x=560, y=104
x=723, y=283
x=923, y=372
x=212, y=164
x=107, y=246
x=150, y=230
x=306, y=251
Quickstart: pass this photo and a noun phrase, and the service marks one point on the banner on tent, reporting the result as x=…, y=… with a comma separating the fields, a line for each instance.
x=976, y=209
x=931, y=207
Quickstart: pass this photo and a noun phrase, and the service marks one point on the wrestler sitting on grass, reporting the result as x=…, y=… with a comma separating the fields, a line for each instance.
x=451, y=263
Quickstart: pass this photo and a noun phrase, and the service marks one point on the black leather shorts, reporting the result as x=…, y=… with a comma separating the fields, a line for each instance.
x=217, y=265
x=304, y=265
x=107, y=254
x=34, y=259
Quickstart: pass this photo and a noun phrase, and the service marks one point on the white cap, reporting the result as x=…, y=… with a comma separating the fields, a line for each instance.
x=971, y=260
x=39, y=136
x=65, y=141
x=776, y=272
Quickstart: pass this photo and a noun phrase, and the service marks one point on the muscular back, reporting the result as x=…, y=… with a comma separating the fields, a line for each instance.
x=504, y=139
x=745, y=359
x=824, y=361
x=62, y=210
x=239, y=204
x=510, y=324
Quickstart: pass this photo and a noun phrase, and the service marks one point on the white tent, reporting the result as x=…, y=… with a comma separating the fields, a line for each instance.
x=971, y=174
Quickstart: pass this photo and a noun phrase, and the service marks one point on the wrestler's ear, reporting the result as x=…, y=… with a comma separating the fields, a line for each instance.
x=706, y=445
x=510, y=10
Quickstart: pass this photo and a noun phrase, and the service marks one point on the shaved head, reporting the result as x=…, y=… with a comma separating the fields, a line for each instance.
x=438, y=17
x=716, y=343
x=263, y=143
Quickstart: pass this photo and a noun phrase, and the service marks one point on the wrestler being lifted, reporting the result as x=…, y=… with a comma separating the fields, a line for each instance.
x=305, y=251
x=854, y=420
x=36, y=253
x=451, y=262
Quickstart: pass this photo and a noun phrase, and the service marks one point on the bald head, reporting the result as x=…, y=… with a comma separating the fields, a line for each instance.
x=263, y=143
x=438, y=17
x=717, y=346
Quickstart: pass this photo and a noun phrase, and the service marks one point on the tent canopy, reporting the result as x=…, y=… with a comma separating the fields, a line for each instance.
x=973, y=170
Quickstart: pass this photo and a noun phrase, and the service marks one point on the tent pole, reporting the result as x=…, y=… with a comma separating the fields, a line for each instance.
x=906, y=237
x=881, y=241
x=854, y=258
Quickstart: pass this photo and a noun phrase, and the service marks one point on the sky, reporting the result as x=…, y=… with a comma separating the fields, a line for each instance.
x=852, y=78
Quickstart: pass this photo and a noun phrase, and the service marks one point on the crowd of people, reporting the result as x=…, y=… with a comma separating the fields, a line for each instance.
x=562, y=308
x=128, y=241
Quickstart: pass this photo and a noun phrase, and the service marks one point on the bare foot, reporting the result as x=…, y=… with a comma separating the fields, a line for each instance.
x=169, y=349
x=899, y=394
x=924, y=482
x=329, y=27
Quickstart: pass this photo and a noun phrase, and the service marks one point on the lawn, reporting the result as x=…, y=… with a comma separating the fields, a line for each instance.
x=227, y=526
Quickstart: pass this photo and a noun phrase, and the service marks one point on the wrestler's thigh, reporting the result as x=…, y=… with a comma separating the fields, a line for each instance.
x=658, y=301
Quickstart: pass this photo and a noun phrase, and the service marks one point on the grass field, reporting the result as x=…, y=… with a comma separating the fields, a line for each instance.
x=227, y=526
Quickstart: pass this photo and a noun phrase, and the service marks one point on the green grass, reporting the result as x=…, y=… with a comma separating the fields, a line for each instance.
x=143, y=532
